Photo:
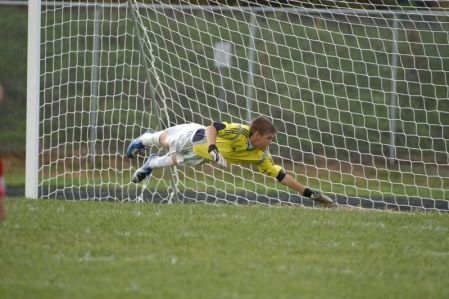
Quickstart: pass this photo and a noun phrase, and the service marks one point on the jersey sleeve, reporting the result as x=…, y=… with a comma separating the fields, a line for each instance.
x=218, y=125
x=230, y=130
x=268, y=167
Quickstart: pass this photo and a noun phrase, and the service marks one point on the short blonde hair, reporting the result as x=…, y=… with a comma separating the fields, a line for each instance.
x=263, y=125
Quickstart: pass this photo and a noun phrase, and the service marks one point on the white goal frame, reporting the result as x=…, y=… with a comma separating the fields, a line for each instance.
x=33, y=77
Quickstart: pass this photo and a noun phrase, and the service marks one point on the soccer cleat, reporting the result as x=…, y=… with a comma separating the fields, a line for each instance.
x=144, y=171
x=322, y=199
x=136, y=146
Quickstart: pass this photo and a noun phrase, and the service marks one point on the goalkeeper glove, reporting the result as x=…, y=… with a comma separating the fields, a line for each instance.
x=216, y=156
x=317, y=196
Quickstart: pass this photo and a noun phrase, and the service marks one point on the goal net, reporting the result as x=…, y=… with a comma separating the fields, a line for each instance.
x=359, y=94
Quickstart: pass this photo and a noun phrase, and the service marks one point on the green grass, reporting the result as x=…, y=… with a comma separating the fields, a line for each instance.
x=67, y=249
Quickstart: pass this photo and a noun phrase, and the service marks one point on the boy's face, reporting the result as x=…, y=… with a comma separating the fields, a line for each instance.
x=262, y=141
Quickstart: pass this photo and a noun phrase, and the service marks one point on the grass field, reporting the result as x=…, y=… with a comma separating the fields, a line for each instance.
x=67, y=249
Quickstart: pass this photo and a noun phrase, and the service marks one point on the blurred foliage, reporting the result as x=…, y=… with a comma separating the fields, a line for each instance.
x=13, y=56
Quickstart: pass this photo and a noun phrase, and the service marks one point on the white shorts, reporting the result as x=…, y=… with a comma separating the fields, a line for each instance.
x=180, y=139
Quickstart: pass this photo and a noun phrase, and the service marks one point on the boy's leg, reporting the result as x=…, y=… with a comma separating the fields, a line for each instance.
x=153, y=161
x=163, y=138
x=164, y=161
x=144, y=171
x=151, y=138
x=148, y=138
x=178, y=142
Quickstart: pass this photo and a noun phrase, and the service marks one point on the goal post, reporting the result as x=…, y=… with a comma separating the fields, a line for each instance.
x=33, y=79
x=359, y=95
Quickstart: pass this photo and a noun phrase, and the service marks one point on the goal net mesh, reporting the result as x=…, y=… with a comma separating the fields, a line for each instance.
x=359, y=94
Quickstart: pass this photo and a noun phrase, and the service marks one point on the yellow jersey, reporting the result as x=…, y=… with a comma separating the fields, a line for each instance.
x=233, y=143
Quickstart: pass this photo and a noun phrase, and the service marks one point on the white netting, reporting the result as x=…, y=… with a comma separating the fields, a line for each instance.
x=358, y=93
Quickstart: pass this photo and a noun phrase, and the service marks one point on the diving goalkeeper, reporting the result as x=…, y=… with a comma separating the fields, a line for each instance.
x=221, y=143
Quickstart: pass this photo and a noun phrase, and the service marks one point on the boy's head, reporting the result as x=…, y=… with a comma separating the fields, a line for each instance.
x=263, y=125
x=262, y=132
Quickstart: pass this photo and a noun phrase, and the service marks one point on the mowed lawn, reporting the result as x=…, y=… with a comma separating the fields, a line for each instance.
x=73, y=249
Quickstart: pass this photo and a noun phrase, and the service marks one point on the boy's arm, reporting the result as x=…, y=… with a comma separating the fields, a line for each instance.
x=268, y=167
x=289, y=181
x=211, y=135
